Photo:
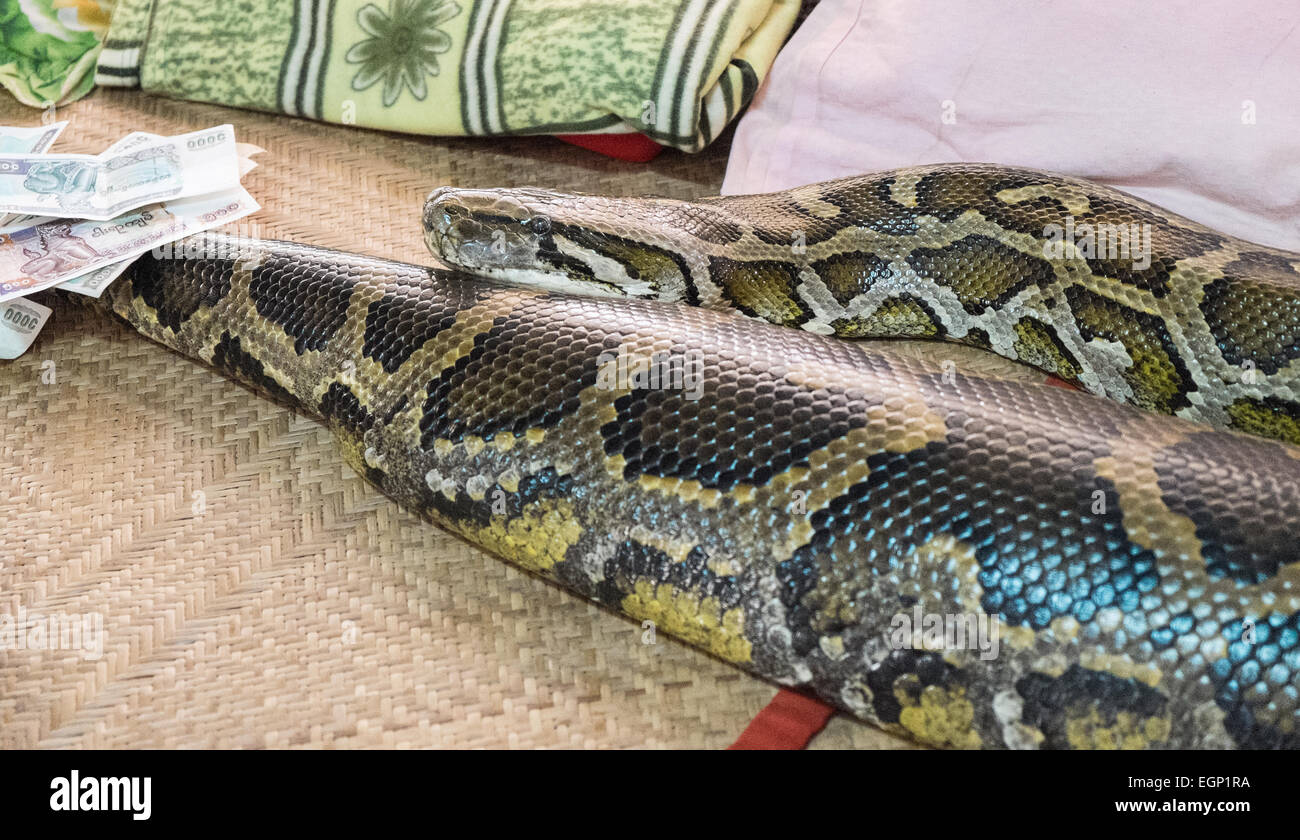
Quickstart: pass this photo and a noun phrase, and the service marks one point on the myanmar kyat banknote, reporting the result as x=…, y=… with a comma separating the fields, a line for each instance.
x=100, y=187
x=59, y=250
x=29, y=139
x=94, y=283
x=20, y=321
x=26, y=140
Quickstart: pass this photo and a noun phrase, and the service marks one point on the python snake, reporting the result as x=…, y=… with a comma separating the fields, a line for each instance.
x=787, y=500
x=1105, y=291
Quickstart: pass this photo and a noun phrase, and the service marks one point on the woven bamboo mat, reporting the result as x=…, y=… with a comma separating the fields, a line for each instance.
x=253, y=591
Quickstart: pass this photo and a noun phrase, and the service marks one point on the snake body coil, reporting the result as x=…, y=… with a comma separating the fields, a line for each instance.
x=1107, y=292
x=790, y=501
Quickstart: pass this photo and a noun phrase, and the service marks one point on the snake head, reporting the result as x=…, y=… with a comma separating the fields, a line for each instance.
x=484, y=230
x=581, y=244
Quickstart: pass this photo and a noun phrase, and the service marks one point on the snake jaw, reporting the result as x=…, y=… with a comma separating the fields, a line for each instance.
x=506, y=235
x=455, y=229
x=497, y=234
x=571, y=243
x=437, y=224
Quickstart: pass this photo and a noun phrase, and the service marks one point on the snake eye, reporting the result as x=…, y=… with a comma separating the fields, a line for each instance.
x=540, y=225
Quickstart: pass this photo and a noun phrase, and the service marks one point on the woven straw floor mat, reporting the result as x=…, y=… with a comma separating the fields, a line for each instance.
x=254, y=592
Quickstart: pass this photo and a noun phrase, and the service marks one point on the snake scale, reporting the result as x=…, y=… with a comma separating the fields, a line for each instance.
x=780, y=497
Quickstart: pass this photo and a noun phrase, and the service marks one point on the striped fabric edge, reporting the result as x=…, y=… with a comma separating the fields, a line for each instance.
x=119, y=64
x=119, y=59
x=616, y=127
x=682, y=117
x=679, y=117
x=731, y=95
x=301, y=87
x=480, y=90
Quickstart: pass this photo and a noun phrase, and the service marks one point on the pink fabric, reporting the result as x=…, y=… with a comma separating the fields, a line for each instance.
x=1152, y=98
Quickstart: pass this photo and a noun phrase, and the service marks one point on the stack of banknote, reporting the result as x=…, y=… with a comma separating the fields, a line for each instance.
x=79, y=221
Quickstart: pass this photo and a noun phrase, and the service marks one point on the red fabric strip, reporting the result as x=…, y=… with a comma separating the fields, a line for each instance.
x=789, y=722
x=632, y=147
x=1059, y=382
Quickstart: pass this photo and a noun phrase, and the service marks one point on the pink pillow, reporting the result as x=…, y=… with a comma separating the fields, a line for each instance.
x=1191, y=104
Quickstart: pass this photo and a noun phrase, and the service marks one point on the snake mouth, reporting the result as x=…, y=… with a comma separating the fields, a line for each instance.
x=450, y=230
x=484, y=231
x=495, y=235
x=528, y=237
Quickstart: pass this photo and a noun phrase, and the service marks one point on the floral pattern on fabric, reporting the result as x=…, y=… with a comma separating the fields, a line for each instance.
x=404, y=46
